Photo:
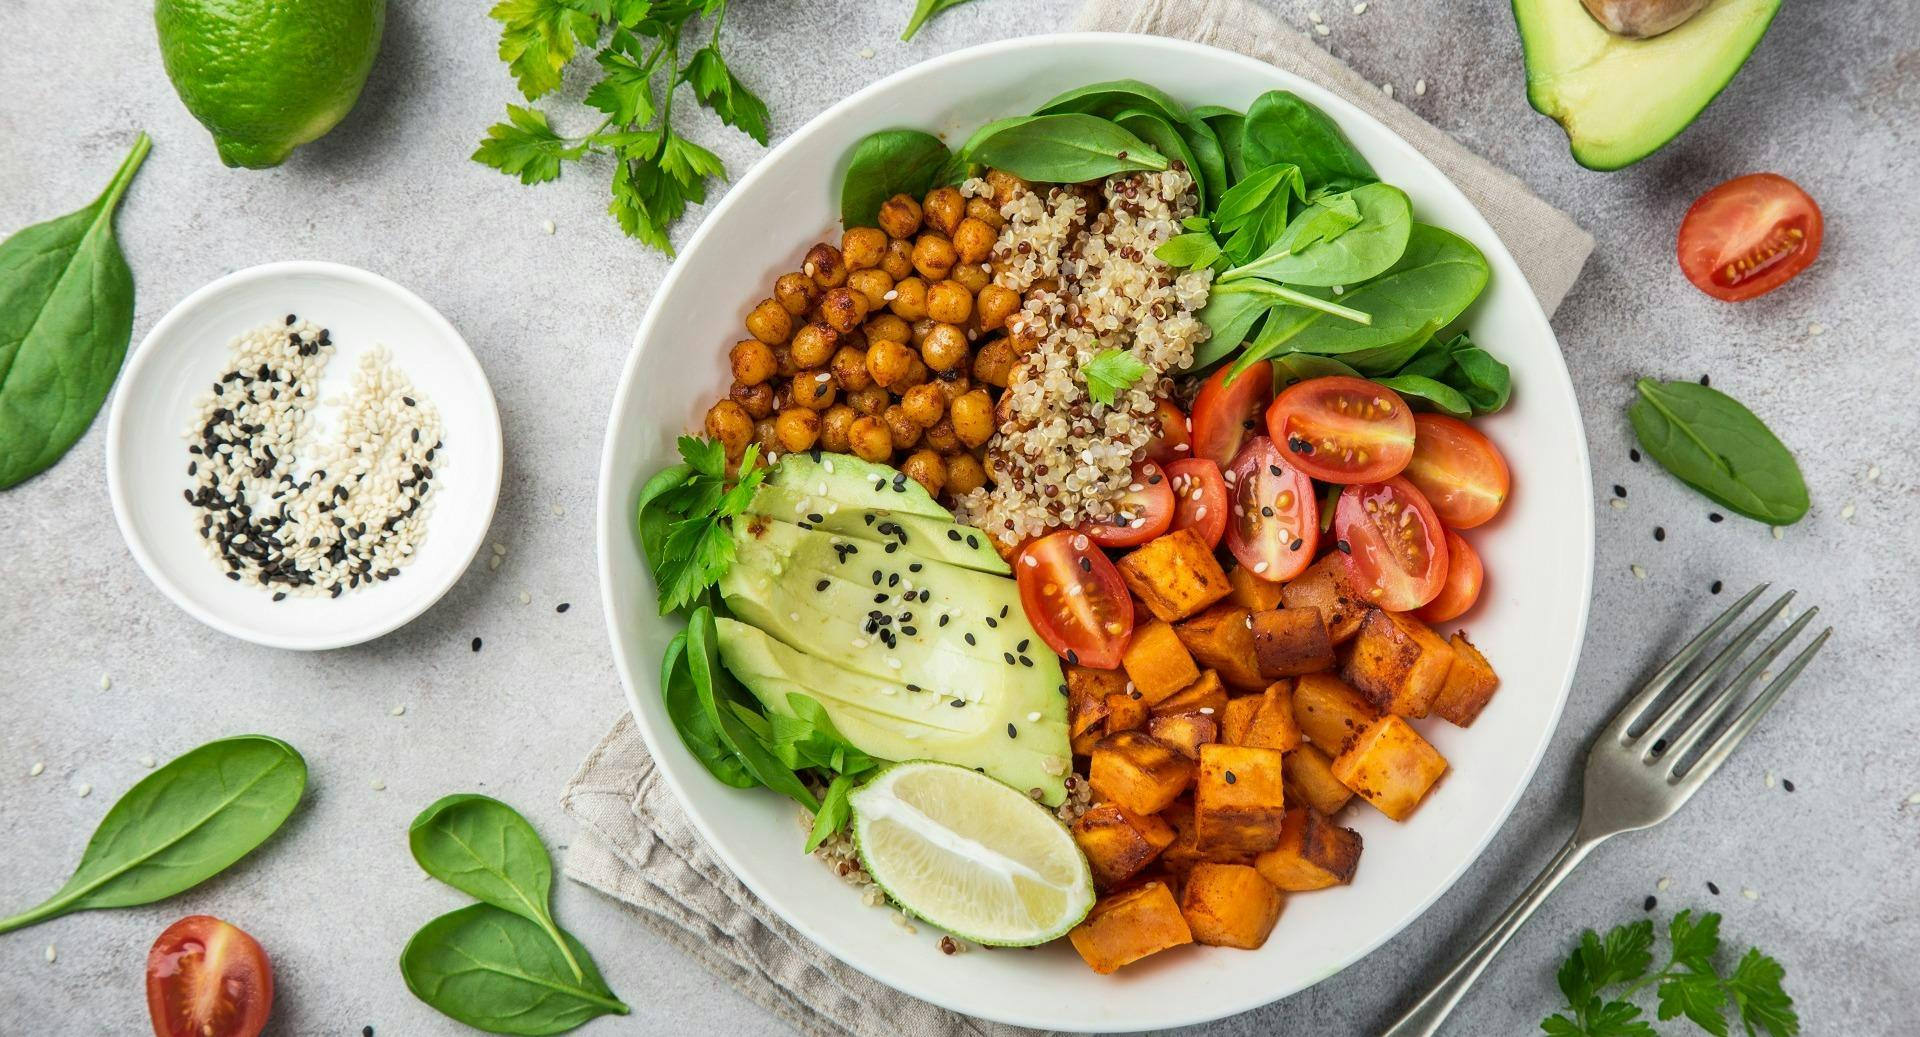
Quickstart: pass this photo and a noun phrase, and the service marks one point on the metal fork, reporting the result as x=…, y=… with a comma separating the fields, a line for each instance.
x=1638, y=776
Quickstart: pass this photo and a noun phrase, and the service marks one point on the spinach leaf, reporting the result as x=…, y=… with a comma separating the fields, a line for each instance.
x=1226, y=125
x=1062, y=149
x=496, y=971
x=181, y=825
x=1254, y=211
x=833, y=814
x=809, y=738
x=698, y=732
x=712, y=685
x=1229, y=316
x=1292, y=368
x=887, y=163
x=1114, y=96
x=1280, y=127
x=485, y=849
x=66, y=314
x=1715, y=445
x=1443, y=397
x=1322, y=247
x=1163, y=136
x=1483, y=381
x=923, y=11
x=1209, y=156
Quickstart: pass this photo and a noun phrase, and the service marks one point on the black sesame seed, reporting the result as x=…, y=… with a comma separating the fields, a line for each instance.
x=973, y=541
x=914, y=567
x=1073, y=657
x=925, y=595
x=1786, y=784
x=280, y=596
x=970, y=639
x=957, y=703
x=290, y=322
x=1298, y=446
x=1022, y=646
x=893, y=579
x=408, y=400
x=1024, y=661
x=1648, y=904
x=1011, y=733
x=891, y=547
x=1704, y=381
x=1134, y=694
x=1230, y=778
x=869, y=519
x=1711, y=888
x=952, y=534
x=1344, y=547
x=1716, y=587
x=562, y=607
x=1619, y=490
x=366, y=1031
x=1266, y=512
x=1003, y=612
x=822, y=585
x=1659, y=532
x=1297, y=544
x=234, y=576
x=909, y=631
x=1086, y=564
x=876, y=577
x=1714, y=516
x=879, y=599
x=476, y=641
x=816, y=517
x=1634, y=455
x=992, y=623
x=943, y=619
x=1008, y=656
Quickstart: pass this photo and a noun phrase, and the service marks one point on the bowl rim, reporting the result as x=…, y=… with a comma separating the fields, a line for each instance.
x=1344, y=111
x=153, y=344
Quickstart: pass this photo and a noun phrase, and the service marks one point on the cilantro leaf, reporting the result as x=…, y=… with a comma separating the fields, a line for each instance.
x=1763, y=1002
x=538, y=38
x=526, y=146
x=1111, y=372
x=1698, y=997
x=715, y=85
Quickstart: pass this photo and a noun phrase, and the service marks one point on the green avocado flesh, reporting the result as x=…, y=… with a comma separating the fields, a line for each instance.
x=1620, y=99
x=855, y=483
x=930, y=538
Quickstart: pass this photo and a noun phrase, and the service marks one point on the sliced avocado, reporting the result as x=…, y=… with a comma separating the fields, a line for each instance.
x=1620, y=98
x=888, y=720
x=930, y=538
x=855, y=483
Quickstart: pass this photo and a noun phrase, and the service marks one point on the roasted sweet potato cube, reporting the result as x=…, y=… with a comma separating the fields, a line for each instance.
x=1252, y=592
x=1314, y=853
x=1469, y=685
x=1128, y=926
x=1186, y=732
x=1389, y=765
x=1290, y=642
x=1329, y=711
x=1138, y=772
x=1221, y=640
x=1157, y=662
x=1087, y=691
x=1324, y=586
x=1175, y=575
x=1229, y=905
x=1310, y=776
x=1239, y=800
x=1084, y=742
x=1204, y=693
x=1272, y=726
x=1237, y=719
x=1119, y=843
x=1398, y=663
x=1125, y=712
x=1184, y=852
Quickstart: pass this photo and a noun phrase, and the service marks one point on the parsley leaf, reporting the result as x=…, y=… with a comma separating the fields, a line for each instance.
x=715, y=85
x=1696, y=996
x=538, y=38
x=1755, y=986
x=1191, y=251
x=625, y=90
x=923, y=12
x=1695, y=942
x=526, y=147
x=685, y=518
x=1689, y=985
x=1111, y=372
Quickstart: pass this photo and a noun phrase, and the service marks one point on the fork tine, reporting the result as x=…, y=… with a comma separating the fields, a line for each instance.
x=1749, y=718
x=1723, y=702
x=1656, y=732
x=1658, y=684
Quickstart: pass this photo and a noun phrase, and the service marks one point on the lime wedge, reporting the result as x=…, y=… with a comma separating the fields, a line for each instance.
x=970, y=855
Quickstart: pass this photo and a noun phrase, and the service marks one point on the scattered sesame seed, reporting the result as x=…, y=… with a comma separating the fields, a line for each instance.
x=149, y=762
x=1663, y=884
x=1619, y=490
x=1786, y=783
x=397, y=711
x=476, y=644
x=1011, y=733
x=1914, y=800
x=85, y=790
x=1618, y=504
x=893, y=664
x=1649, y=903
x=1033, y=717
x=1717, y=585
x=558, y=510
x=1360, y=8
x=1322, y=29
x=51, y=954
x=526, y=598
x=106, y=682
x=377, y=785
x=1714, y=516
x=563, y=606
x=1314, y=17
x=1873, y=473
x=1633, y=454
x=1816, y=329
x=1749, y=892
x=36, y=770
x=1230, y=779
x=499, y=548
x=1639, y=571
x=1659, y=532
x=1711, y=888
x=548, y=227
x=867, y=53
x=1387, y=88
x=1846, y=512
x=1779, y=534
x=1420, y=88
x=1769, y=779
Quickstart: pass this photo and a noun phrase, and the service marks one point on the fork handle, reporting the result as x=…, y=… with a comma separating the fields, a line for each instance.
x=1425, y=1017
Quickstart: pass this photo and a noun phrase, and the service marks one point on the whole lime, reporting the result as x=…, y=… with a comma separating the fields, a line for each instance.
x=266, y=76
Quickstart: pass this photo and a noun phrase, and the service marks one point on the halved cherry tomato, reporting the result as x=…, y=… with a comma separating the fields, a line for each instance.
x=1343, y=429
x=207, y=978
x=1200, y=498
x=1275, y=525
x=1226, y=416
x=1175, y=439
x=1458, y=470
x=1141, y=513
x=1395, y=547
x=1749, y=236
x=1075, y=599
x=1462, y=589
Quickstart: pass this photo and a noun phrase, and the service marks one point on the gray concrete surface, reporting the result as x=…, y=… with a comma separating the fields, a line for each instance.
x=1832, y=98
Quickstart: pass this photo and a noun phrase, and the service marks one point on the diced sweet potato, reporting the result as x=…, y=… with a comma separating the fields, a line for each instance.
x=1138, y=772
x=1324, y=586
x=1157, y=662
x=1128, y=926
x=1314, y=853
x=1221, y=640
x=1252, y=592
x=1469, y=685
x=1330, y=711
x=1184, y=852
x=1237, y=719
x=1398, y=663
x=1239, y=800
x=1310, y=775
x=1084, y=742
x=1087, y=691
x=1290, y=642
x=1119, y=843
x=1175, y=575
x=1125, y=712
x=1273, y=726
x=1389, y=765
x=1204, y=693
x=1229, y=905
x=1186, y=732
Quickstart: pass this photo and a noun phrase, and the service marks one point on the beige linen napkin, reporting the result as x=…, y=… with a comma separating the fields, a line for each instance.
x=637, y=844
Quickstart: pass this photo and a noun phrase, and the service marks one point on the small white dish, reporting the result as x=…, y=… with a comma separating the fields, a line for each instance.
x=188, y=349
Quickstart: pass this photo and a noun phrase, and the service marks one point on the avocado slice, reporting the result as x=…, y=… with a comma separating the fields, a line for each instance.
x=1619, y=98
x=929, y=538
x=855, y=483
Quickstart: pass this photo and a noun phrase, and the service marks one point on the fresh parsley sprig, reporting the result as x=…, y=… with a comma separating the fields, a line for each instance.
x=685, y=515
x=1110, y=373
x=1688, y=985
x=638, y=45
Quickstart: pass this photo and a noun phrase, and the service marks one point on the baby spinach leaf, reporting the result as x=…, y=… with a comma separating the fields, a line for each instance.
x=698, y=732
x=809, y=738
x=1110, y=98
x=1292, y=368
x=1280, y=127
x=1226, y=126
x=1210, y=159
x=1474, y=373
x=181, y=825
x=833, y=814
x=1324, y=246
x=485, y=849
x=496, y=971
x=66, y=314
x=887, y=163
x=1711, y=442
x=1062, y=149
x=924, y=10
x=713, y=685
x=1443, y=397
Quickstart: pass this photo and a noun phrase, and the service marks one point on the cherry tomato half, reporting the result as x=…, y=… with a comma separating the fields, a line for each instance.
x=1395, y=547
x=1175, y=439
x=1275, y=525
x=1200, y=498
x=1462, y=589
x=207, y=978
x=1342, y=429
x=1075, y=599
x=1141, y=513
x=1226, y=416
x=1749, y=236
x=1458, y=470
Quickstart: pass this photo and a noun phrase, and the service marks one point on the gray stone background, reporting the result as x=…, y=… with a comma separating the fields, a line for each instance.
x=1831, y=98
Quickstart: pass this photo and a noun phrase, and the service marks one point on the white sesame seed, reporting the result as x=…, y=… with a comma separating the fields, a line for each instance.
x=1816, y=329
x=559, y=509
x=36, y=770
x=1749, y=892
x=548, y=227
x=1914, y=800
x=526, y=598
x=1419, y=88
x=793, y=617
x=1033, y=717
x=1387, y=88
x=106, y=682
x=1199, y=512
x=377, y=785
x=1339, y=289
x=1779, y=534
x=860, y=642
x=1322, y=29
x=148, y=762
x=1769, y=779
x=867, y=53
x=493, y=563
x=51, y=954
x=1846, y=511
x=1639, y=571
x=1206, y=711
x=890, y=295
x=1314, y=17
x=85, y=790
x=397, y=711
x=1260, y=567
x=1360, y=8
x=1662, y=885
x=1617, y=504
x=893, y=664
x=827, y=464
x=1873, y=473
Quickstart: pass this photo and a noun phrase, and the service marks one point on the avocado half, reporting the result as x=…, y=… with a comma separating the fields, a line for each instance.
x=1620, y=99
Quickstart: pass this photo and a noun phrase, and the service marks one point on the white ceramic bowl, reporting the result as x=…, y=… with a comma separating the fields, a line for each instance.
x=184, y=353
x=1530, y=620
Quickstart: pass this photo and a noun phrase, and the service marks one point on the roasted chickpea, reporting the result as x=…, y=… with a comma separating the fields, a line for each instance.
x=981, y=209
x=954, y=383
x=909, y=298
x=973, y=240
x=993, y=364
x=756, y=399
x=814, y=390
x=797, y=293
x=783, y=395
x=798, y=429
x=1023, y=335
x=752, y=361
x=939, y=436
x=850, y=368
x=972, y=276
x=924, y=403
x=945, y=347
x=933, y=256
x=767, y=435
x=949, y=302
x=900, y=216
x=813, y=344
x=729, y=423
x=1006, y=187
x=898, y=262
x=972, y=417
x=836, y=427
x=964, y=474
x=870, y=440
x=904, y=430
x=770, y=322
x=872, y=285
x=996, y=303
x=889, y=327
x=843, y=309
x=783, y=365
x=862, y=247
x=826, y=266
x=888, y=362
x=926, y=468
x=871, y=401
x=917, y=374
x=944, y=209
